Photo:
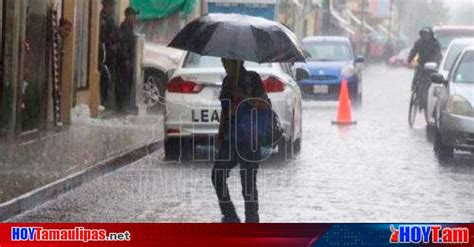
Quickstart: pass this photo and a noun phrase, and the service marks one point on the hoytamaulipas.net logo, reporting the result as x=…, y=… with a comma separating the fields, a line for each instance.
x=79, y=234
x=429, y=234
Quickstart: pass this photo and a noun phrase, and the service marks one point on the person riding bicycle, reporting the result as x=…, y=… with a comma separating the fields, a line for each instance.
x=428, y=50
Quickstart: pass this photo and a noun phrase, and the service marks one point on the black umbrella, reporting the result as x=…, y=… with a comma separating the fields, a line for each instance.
x=240, y=37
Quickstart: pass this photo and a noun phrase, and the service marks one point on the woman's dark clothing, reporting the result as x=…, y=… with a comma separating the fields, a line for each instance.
x=233, y=152
x=125, y=62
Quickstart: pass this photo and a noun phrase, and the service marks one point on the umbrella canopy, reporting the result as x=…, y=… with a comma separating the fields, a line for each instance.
x=240, y=37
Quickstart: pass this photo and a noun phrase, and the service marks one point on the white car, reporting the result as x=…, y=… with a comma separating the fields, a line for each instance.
x=157, y=61
x=453, y=51
x=193, y=106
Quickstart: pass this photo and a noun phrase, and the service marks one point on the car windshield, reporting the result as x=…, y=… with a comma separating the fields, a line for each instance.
x=329, y=51
x=464, y=72
x=194, y=60
x=453, y=53
x=445, y=38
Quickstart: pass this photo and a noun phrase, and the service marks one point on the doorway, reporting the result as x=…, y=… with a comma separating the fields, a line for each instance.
x=33, y=77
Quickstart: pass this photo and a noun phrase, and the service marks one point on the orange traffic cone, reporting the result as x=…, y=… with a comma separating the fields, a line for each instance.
x=344, y=111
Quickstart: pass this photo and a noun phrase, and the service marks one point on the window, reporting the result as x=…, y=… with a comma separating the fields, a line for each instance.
x=445, y=37
x=82, y=44
x=454, y=52
x=287, y=69
x=329, y=51
x=464, y=72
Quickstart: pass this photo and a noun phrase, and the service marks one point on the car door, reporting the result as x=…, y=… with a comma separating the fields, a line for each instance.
x=444, y=93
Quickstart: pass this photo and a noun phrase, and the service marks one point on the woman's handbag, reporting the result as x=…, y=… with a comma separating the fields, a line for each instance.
x=257, y=126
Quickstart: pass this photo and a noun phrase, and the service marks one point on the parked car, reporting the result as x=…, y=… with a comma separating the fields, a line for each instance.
x=401, y=59
x=332, y=59
x=157, y=61
x=454, y=112
x=446, y=34
x=193, y=106
x=452, y=52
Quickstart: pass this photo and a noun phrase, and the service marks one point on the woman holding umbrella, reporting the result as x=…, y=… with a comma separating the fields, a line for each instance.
x=238, y=38
x=239, y=87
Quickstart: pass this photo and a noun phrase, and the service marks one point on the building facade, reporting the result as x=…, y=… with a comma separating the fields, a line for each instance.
x=27, y=91
x=303, y=17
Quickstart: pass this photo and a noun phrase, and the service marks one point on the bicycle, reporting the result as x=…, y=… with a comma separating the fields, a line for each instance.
x=417, y=103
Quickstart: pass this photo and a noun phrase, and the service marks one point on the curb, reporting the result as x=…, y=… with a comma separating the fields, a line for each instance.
x=50, y=191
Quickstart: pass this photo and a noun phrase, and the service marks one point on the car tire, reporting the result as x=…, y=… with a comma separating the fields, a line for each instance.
x=178, y=149
x=288, y=149
x=443, y=151
x=154, y=86
x=285, y=149
x=431, y=133
x=297, y=146
x=172, y=149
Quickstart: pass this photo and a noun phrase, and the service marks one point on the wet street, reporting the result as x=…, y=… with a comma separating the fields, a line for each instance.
x=376, y=171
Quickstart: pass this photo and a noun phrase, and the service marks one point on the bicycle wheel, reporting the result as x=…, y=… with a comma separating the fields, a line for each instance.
x=413, y=109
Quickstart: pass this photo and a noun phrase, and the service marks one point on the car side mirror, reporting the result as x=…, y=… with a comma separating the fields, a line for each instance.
x=301, y=74
x=431, y=66
x=359, y=59
x=170, y=74
x=438, y=78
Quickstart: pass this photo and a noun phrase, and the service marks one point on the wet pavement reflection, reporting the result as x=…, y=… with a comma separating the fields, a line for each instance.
x=376, y=171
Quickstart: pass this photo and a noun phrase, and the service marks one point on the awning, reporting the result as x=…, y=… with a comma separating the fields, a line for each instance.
x=153, y=9
x=342, y=22
x=358, y=21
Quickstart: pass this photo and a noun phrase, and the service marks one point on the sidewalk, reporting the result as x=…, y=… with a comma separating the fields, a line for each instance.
x=34, y=166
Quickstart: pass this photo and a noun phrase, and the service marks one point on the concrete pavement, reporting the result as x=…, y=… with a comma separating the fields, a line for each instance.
x=39, y=169
x=379, y=170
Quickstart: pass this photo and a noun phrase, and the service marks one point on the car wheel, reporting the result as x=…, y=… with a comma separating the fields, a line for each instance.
x=178, y=149
x=153, y=89
x=286, y=148
x=431, y=133
x=297, y=146
x=297, y=143
x=443, y=151
x=172, y=149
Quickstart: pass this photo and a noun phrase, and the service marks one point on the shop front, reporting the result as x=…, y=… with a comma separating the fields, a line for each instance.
x=44, y=72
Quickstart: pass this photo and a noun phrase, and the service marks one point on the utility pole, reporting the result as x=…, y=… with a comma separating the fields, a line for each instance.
x=362, y=18
x=391, y=19
x=326, y=16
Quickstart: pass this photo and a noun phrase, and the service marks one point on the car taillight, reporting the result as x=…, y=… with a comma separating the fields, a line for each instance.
x=273, y=85
x=178, y=85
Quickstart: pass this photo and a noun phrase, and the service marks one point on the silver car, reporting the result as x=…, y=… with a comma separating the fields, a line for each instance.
x=453, y=51
x=454, y=112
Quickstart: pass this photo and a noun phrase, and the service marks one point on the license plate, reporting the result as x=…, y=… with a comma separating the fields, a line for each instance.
x=321, y=89
x=205, y=116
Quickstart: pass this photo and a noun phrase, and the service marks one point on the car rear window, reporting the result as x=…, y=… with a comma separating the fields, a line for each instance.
x=454, y=52
x=328, y=51
x=194, y=60
x=445, y=37
x=464, y=72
